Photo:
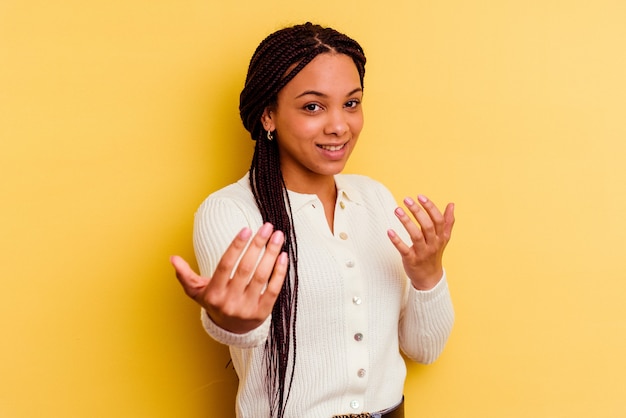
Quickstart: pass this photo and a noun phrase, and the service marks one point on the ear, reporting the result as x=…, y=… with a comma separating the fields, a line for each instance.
x=267, y=121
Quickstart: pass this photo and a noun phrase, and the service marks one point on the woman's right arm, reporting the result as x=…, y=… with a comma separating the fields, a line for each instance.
x=239, y=293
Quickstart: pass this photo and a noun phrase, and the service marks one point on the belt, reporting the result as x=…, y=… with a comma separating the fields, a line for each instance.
x=393, y=412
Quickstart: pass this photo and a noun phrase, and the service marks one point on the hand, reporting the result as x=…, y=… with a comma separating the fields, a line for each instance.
x=423, y=260
x=241, y=300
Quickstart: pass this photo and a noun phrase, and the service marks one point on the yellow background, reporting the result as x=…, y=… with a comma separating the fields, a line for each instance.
x=118, y=117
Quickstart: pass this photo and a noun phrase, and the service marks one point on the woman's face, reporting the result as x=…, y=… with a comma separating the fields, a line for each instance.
x=317, y=119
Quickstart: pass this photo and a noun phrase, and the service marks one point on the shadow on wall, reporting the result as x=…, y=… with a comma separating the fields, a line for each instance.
x=226, y=150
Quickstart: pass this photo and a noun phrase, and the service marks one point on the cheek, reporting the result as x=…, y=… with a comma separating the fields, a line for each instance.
x=357, y=124
x=304, y=128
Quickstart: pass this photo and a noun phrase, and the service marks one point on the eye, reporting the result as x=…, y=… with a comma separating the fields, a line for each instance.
x=312, y=107
x=352, y=103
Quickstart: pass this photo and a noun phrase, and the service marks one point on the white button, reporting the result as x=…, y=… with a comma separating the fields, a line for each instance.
x=358, y=336
x=356, y=300
x=350, y=263
x=354, y=404
x=343, y=236
x=361, y=373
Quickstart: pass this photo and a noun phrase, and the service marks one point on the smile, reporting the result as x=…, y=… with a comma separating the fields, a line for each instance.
x=332, y=147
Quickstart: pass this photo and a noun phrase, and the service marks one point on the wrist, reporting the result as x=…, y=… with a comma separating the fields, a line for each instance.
x=425, y=284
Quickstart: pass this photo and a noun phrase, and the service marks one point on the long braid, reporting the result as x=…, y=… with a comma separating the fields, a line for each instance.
x=275, y=208
x=278, y=59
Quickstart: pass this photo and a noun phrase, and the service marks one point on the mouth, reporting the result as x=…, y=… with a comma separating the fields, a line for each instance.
x=331, y=147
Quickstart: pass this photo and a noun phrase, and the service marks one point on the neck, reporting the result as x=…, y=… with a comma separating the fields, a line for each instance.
x=322, y=186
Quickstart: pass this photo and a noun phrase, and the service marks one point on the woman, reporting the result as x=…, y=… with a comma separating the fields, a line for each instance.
x=317, y=304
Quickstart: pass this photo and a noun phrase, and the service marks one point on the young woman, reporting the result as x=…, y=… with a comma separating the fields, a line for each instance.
x=317, y=304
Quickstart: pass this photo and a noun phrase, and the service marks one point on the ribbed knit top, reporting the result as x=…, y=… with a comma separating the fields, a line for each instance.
x=356, y=308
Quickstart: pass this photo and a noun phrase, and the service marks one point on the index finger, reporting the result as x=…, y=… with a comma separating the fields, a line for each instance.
x=435, y=215
x=229, y=259
x=250, y=259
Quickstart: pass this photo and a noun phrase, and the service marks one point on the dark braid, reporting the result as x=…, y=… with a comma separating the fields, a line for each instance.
x=275, y=62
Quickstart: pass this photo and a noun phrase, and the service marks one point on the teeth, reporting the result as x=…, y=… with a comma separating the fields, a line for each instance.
x=331, y=147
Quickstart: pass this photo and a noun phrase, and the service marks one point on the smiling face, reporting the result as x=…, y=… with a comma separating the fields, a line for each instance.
x=317, y=120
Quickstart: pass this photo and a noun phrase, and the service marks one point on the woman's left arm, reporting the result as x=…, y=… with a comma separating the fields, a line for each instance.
x=428, y=314
x=426, y=322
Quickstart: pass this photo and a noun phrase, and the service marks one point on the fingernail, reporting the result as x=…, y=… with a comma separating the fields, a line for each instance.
x=400, y=212
x=408, y=201
x=422, y=198
x=282, y=258
x=266, y=230
x=277, y=238
x=245, y=233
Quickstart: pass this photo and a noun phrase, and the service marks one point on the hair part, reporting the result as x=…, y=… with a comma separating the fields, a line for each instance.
x=276, y=61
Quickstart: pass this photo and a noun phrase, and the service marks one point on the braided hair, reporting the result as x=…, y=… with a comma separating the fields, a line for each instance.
x=276, y=61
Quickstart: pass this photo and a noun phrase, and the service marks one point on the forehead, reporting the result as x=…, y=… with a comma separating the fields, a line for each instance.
x=327, y=73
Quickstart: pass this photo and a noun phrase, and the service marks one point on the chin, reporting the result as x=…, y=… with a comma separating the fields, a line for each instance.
x=335, y=169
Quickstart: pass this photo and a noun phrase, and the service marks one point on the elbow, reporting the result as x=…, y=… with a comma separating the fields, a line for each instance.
x=427, y=347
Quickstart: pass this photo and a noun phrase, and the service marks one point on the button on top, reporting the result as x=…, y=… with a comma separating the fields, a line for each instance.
x=354, y=404
x=356, y=300
x=343, y=235
x=361, y=373
x=358, y=336
x=350, y=263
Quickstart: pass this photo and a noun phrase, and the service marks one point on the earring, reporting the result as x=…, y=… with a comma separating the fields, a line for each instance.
x=270, y=137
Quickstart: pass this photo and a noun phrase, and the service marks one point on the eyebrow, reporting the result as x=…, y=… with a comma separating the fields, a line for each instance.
x=320, y=94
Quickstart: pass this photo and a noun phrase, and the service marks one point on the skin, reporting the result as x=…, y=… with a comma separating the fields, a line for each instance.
x=239, y=304
x=317, y=121
x=318, y=118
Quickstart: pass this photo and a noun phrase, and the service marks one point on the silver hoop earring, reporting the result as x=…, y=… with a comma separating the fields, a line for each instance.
x=270, y=137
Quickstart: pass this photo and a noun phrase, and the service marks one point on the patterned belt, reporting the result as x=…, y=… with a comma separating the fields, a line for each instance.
x=393, y=412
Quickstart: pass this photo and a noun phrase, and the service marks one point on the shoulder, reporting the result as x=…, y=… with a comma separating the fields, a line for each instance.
x=364, y=186
x=236, y=198
x=238, y=193
x=366, y=191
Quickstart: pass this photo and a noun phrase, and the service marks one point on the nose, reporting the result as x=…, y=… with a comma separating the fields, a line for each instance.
x=337, y=123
